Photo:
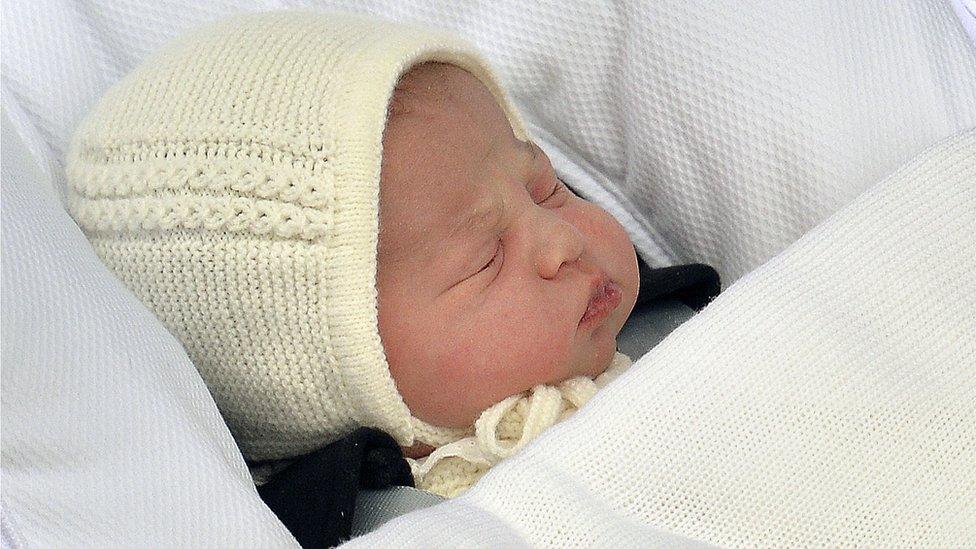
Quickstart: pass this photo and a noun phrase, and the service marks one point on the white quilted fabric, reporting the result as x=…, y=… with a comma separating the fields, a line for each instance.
x=717, y=131
x=825, y=399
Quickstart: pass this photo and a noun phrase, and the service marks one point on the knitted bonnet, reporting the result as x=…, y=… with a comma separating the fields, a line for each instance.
x=232, y=183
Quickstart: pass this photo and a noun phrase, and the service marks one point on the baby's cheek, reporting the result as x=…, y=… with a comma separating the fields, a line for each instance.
x=540, y=345
x=474, y=368
x=602, y=226
x=516, y=341
x=609, y=239
x=552, y=365
x=454, y=394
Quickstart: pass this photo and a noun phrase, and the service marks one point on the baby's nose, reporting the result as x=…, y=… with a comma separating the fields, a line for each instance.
x=560, y=243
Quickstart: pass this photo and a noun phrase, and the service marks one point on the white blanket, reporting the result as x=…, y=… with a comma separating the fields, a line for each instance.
x=825, y=398
x=110, y=438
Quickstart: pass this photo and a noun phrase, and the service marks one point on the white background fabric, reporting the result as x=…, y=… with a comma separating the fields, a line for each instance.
x=716, y=131
x=826, y=398
x=966, y=11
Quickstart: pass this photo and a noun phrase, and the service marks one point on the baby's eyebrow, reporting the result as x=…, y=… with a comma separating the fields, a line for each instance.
x=487, y=215
x=490, y=214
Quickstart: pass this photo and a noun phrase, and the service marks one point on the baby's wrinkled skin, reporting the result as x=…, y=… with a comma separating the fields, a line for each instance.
x=471, y=313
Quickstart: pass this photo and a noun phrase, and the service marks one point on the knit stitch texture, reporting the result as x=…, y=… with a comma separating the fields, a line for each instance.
x=232, y=183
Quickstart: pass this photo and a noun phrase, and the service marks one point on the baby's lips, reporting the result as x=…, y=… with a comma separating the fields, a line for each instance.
x=604, y=299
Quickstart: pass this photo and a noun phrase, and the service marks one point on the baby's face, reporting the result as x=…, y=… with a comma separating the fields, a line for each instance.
x=493, y=276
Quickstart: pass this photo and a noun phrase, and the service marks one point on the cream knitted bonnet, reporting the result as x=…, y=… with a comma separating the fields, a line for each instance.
x=232, y=183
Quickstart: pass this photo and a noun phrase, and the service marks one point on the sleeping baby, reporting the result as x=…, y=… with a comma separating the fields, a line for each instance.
x=346, y=224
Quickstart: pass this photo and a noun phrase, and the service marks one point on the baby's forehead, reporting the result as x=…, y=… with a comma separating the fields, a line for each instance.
x=425, y=84
x=426, y=213
x=444, y=147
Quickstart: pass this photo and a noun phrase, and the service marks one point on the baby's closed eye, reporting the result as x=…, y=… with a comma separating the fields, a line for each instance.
x=496, y=257
x=494, y=261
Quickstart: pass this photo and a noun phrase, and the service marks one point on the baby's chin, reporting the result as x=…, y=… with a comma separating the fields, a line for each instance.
x=604, y=349
x=598, y=358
